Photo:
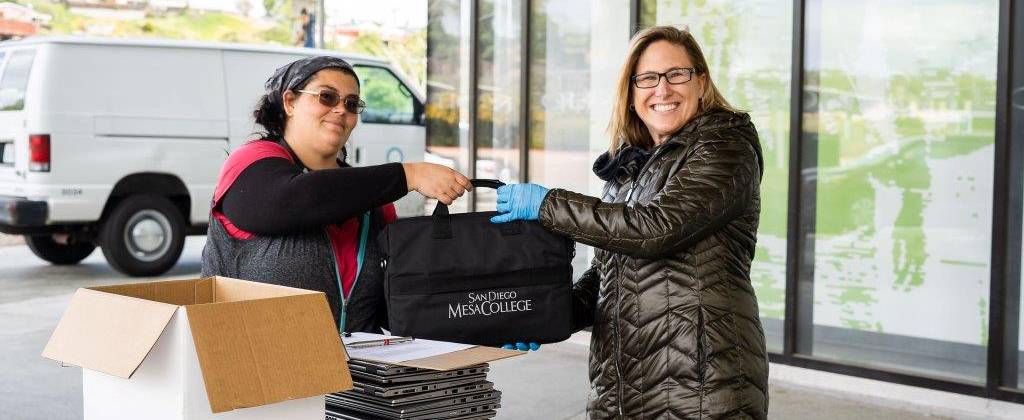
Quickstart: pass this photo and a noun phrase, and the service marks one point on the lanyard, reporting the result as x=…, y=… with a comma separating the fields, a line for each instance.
x=364, y=233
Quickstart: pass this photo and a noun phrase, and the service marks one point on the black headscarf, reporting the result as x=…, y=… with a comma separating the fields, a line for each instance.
x=296, y=73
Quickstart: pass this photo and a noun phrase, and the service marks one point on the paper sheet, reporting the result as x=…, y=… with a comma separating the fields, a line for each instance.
x=400, y=352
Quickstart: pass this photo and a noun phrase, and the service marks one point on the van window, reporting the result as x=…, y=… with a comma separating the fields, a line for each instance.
x=388, y=101
x=15, y=80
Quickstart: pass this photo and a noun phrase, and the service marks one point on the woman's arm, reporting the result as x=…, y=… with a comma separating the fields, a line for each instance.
x=272, y=197
x=711, y=188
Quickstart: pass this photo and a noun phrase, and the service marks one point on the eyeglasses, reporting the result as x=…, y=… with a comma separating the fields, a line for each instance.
x=331, y=99
x=676, y=76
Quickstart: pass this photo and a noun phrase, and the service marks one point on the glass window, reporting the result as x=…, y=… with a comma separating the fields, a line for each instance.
x=388, y=100
x=559, y=100
x=748, y=47
x=7, y=153
x=900, y=116
x=448, y=88
x=559, y=103
x=15, y=80
x=499, y=28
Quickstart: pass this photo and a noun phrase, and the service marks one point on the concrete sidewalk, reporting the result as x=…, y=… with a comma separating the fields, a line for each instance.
x=552, y=384
x=547, y=384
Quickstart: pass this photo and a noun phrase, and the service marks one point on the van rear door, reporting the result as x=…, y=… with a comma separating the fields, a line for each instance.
x=15, y=67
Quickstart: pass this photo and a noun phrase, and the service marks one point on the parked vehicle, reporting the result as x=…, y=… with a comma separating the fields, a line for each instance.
x=118, y=143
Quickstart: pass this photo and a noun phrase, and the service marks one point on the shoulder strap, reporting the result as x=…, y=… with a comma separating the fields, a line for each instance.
x=240, y=159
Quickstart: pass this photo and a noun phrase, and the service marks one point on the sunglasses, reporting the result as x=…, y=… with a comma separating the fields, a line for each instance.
x=331, y=99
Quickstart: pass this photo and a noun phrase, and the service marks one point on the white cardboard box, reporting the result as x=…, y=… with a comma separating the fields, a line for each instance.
x=198, y=349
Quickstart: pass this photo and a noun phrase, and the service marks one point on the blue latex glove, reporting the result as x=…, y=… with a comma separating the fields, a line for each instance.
x=522, y=347
x=519, y=202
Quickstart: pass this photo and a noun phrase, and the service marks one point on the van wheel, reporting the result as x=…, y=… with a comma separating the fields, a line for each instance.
x=49, y=249
x=143, y=236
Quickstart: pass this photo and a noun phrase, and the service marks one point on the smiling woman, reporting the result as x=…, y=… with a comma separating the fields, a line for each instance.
x=676, y=330
x=658, y=109
x=664, y=107
x=289, y=210
x=315, y=121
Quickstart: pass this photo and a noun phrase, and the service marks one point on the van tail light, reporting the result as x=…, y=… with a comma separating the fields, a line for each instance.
x=39, y=153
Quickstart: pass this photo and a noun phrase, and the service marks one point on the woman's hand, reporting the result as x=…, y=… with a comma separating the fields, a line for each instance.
x=519, y=202
x=436, y=181
x=522, y=346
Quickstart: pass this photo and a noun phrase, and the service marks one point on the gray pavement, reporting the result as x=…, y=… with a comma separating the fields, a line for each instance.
x=548, y=384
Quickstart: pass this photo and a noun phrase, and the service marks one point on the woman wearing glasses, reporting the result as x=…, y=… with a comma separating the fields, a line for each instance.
x=676, y=332
x=286, y=210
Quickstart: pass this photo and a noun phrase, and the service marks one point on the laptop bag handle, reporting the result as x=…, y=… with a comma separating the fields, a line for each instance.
x=442, y=210
x=442, y=226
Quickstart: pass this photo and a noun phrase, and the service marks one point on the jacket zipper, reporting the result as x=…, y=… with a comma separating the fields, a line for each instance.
x=618, y=286
x=615, y=329
x=702, y=368
x=360, y=256
x=337, y=279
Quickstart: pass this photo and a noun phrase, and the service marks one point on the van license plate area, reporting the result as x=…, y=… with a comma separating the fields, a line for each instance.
x=6, y=153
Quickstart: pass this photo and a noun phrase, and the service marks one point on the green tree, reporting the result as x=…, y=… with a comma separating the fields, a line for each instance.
x=270, y=5
x=409, y=54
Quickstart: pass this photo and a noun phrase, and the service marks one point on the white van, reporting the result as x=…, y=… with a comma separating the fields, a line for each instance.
x=118, y=143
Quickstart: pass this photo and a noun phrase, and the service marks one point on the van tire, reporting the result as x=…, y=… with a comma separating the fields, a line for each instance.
x=143, y=236
x=45, y=247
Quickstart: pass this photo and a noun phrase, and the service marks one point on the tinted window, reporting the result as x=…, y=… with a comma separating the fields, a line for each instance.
x=447, y=122
x=388, y=101
x=902, y=124
x=15, y=80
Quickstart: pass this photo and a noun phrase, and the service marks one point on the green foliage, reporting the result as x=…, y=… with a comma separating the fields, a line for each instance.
x=63, y=22
x=281, y=11
x=16, y=106
x=270, y=5
x=408, y=54
x=206, y=26
x=277, y=34
x=379, y=93
x=191, y=25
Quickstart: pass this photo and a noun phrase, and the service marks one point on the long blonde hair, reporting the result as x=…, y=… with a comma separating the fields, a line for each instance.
x=625, y=125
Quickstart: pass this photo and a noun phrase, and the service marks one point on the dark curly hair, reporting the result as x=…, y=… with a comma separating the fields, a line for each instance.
x=271, y=116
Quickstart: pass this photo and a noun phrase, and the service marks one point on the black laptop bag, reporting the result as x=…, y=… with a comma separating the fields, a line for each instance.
x=461, y=278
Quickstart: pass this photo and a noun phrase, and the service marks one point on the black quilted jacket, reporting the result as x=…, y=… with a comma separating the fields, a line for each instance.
x=676, y=332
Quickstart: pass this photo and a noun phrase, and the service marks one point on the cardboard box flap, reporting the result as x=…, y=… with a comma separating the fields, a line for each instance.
x=107, y=332
x=175, y=292
x=258, y=352
x=226, y=289
x=462, y=358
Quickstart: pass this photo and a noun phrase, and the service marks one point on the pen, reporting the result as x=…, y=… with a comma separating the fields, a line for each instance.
x=379, y=343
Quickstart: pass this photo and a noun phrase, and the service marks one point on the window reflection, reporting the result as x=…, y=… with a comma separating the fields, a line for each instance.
x=901, y=113
x=447, y=89
x=559, y=100
x=498, y=89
